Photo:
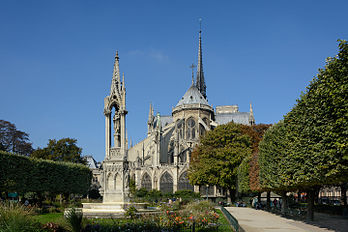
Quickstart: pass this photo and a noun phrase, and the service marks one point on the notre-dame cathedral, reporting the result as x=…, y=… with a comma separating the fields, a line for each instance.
x=161, y=160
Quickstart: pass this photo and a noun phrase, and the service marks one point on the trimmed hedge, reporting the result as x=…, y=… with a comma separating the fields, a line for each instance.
x=23, y=174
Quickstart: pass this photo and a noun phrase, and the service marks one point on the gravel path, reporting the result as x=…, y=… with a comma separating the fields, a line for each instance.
x=252, y=220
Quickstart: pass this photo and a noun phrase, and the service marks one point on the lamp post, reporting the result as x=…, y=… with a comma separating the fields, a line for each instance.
x=207, y=186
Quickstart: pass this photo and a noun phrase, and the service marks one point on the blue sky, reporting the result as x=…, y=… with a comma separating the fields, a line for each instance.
x=56, y=59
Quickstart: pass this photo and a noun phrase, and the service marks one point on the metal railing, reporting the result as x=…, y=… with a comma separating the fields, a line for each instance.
x=231, y=219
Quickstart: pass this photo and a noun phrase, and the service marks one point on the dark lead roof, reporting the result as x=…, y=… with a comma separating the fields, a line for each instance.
x=238, y=117
x=192, y=96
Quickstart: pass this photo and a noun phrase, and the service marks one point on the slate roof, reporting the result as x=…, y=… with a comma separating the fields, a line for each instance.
x=91, y=163
x=165, y=120
x=238, y=117
x=192, y=96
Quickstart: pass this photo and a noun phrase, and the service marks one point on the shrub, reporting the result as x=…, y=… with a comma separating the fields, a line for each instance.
x=187, y=195
x=131, y=212
x=14, y=217
x=23, y=174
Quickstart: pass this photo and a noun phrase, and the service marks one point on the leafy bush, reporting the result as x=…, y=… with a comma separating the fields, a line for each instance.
x=187, y=195
x=141, y=192
x=131, y=212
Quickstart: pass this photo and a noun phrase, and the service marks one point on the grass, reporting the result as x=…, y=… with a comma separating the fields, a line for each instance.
x=49, y=217
x=225, y=226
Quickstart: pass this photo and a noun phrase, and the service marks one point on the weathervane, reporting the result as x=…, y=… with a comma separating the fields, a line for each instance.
x=192, y=67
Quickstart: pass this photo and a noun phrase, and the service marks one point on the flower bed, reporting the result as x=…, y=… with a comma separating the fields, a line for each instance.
x=175, y=217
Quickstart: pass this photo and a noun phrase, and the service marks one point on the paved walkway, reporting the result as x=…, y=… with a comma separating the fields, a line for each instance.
x=252, y=220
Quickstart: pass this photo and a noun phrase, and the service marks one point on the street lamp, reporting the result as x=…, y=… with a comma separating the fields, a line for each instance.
x=207, y=190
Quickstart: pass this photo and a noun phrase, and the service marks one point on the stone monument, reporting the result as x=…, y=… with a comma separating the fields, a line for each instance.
x=115, y=174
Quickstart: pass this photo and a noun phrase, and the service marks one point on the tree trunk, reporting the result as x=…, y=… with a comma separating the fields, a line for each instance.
x=268, y=206
x=344, y=194
x=259, y=197
x=229, y=199
x=316, y=194
x=310, y=204
x=232, y=195
x=284, y=201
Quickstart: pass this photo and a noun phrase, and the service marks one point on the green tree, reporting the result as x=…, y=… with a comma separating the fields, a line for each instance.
x=13, y=140
x=272, y=150
x=216, y=159
x=243, y=175
x=318, y=129
x=310, y=148
x=62, y=150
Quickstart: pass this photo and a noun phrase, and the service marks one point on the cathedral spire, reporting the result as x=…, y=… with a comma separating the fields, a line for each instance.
x=200, y=83
x=150, y=121
x=251, y=116
x=115, y=85
x=150, y=114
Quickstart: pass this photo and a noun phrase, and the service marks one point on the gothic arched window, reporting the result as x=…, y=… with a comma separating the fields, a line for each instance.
x=201, y=130
x=191, y=128
x=180, y=128
x=146, y=182
x=166, y=183
x=184, y=182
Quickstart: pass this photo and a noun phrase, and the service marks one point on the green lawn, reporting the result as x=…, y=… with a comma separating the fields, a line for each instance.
x=225, y=226
x=49, y=217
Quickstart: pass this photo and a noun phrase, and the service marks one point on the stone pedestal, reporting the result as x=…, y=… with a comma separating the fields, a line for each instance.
x=109, y=210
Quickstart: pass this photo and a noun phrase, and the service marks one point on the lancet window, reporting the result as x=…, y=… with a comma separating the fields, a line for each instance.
x=184, y=182
x=146, y=182
x=191, y=129
x=166, y=183
x=180, y=128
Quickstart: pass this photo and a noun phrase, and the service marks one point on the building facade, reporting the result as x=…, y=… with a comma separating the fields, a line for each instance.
x=162, y=159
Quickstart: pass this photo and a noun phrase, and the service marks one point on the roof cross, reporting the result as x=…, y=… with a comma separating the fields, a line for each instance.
x=192, y=67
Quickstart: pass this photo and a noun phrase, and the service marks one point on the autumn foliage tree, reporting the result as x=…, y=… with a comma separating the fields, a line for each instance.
x=249, y=170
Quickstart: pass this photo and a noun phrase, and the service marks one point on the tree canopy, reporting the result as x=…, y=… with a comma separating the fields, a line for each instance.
x=318, y=127
x=216, y=159
x=64, y=150
x=309, y=148
x=272, y=150
x=13, y=140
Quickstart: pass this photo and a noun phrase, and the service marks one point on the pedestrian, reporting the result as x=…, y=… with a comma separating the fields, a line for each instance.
x=275, y=203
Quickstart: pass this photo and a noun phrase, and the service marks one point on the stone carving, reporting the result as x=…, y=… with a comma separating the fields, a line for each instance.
x=116, y=120
x=115, y=153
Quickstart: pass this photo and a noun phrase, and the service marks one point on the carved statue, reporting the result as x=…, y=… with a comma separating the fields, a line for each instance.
x=116, y=120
